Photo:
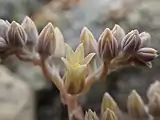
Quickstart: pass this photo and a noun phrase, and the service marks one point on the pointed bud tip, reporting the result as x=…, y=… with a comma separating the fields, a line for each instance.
x=50, y=25
x=15, y=24
x=153, y=88
x=27, y=18
x=85, y=28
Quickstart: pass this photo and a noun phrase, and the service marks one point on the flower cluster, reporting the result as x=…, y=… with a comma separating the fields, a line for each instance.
x=74, y=71
x=136, y=108
x=116, y=48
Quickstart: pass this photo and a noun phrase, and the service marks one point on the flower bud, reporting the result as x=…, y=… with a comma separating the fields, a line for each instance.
x=90, y=115
x=31, y=31
x=154, y=105
x=131, y=42
x=145, y=39
x=107, y=46
x=46, y=42
x=118, y=33
x=153, y=88
x=109, y=115
x=60, y=45
x=16, y=35
x=3, y=45
x=3, y=28
x=135, y=105
x=108, y=102
x=88, y=40
x=146, y=54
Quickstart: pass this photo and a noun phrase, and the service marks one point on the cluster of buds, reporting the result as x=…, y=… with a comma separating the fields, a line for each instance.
x=117, y=48
x=137, y=109
x=73, y=72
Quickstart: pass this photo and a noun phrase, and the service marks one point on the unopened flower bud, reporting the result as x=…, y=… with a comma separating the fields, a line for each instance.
x=60, y=45
x=153, y=88
x=109, y=115
x=16, y=35
x=145, y=39
x=88, y=40
x=131, y=42
x=118, y=33
x=31, y=31
x=107, y=46
x=135, y=105
x=90, y=115
x=154, y=105
x=3, y=45
x=108, y=102
x=3, y=28
x=46, y=42
x=146, y=54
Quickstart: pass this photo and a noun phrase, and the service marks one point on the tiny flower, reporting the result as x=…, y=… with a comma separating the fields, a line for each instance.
x=88, y=40
x=118, y=33
x=75, y=77
x=31, y=31
x=154, y=105
x=47, y=42
x=76, y=69
x=16, y=35
x=108, y=102
x=109, y=115
x=146, y=54
x=131, y=42
x=77, y=57
x=135, y=105
x=90, y=115
x=145, y=39
x=107, y=46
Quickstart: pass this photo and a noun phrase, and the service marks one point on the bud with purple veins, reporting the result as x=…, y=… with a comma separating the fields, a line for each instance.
x=4, y=25
x=46, y=42
x=16, y=35
x=118, y=33
x=146, y=54
x=107, y=46
x=31, y=31
x=145, y=39
x=131, y=42
x=88, y=40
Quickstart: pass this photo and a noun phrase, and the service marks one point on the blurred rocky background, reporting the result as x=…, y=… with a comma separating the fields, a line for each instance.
x=24, y=92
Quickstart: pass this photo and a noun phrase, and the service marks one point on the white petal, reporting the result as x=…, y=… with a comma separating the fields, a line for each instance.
x=69, y=53
x=88, y=58
x=79, y=53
